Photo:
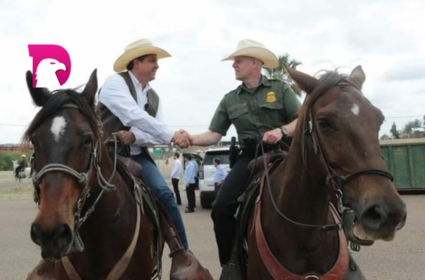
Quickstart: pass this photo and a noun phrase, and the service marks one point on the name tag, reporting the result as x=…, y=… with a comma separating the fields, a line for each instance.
x=237, y=106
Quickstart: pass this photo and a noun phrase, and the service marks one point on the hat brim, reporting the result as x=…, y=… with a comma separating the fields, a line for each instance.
x=267, y=57
x=122, y=62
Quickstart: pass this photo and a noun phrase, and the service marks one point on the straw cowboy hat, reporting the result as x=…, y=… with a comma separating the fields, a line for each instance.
x=136, y=49
x=254, y=49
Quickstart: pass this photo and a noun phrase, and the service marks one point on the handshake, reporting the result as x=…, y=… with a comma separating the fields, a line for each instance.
x=182, y=138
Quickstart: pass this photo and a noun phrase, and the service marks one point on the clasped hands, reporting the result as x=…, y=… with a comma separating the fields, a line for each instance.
x=182, y=138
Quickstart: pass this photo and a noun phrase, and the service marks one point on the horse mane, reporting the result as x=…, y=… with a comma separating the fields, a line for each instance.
x=327, y=81
x=54, y=103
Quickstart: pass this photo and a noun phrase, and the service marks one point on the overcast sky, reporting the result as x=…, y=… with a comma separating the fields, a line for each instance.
x=385, y=37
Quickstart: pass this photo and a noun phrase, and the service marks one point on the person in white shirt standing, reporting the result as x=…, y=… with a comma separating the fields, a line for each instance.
x=130, y=98
x=219, y=175
x=175, y=177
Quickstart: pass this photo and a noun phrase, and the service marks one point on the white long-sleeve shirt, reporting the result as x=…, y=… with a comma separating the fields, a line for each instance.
x=116, y=96
x=177, y=166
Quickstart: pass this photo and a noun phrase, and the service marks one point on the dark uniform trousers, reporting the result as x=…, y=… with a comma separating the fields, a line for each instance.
x=191, y=199
x=175, y=183
x=226, y=205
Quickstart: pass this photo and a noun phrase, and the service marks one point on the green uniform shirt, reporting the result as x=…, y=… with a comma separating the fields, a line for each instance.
x=255, y=111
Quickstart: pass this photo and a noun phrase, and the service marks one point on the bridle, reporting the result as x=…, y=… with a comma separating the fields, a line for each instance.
x=83, y=179
x=334, y=181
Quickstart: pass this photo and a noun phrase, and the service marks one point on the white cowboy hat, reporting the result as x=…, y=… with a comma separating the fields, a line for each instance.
x=136, y=49
x=254, y=49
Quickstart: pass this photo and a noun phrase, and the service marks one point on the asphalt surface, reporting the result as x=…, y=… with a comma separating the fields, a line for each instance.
x=404, y=258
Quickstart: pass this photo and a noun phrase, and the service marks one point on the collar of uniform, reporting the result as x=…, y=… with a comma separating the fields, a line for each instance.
x=138, y=84
x=263, y=81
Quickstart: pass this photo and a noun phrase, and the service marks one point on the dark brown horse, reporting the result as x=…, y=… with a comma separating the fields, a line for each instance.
x=335, y=156
x=73, y=169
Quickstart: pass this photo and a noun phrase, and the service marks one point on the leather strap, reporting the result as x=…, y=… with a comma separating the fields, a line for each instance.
x=278, y=271
x=122, y=265
x=70, y=269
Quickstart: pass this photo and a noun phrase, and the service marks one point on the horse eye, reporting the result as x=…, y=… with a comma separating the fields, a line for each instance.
x=88, y=141
x=324, y=124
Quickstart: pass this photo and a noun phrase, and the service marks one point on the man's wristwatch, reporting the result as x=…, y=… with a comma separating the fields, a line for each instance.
x=284, y=131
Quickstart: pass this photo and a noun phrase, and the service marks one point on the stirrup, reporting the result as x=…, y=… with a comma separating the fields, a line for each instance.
x=231, y=271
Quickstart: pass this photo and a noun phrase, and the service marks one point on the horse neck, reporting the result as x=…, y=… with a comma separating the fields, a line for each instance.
x=303, y=191
x=112, y=223
x=301, y=195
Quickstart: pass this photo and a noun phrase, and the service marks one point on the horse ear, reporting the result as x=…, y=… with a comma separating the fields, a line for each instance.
x=39, y=95
x=357, y=77
x=305, y=82
x=91, y=87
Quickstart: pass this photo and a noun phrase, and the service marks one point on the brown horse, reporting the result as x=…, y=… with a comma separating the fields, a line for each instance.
x=71, y=164
x=335, y=156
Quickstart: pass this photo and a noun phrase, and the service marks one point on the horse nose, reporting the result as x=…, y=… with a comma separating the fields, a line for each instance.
x=377, y=215
x=374, y=217
x=51, y=242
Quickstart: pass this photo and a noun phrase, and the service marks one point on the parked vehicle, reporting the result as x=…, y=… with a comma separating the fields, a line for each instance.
x=206, y=174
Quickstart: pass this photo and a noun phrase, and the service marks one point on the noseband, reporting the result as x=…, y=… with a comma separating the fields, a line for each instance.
x=83, y=178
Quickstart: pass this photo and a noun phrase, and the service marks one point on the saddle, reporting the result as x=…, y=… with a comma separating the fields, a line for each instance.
x=257, y=165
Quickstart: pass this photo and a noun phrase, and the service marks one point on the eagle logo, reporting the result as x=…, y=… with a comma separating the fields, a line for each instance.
x=46, y=72
x=51, y=65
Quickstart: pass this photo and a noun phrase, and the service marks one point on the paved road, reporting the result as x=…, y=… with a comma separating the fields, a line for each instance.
x=403, y=258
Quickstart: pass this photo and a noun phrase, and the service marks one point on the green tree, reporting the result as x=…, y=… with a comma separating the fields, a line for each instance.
x=412, y=124
x=394, y=131
x=6, y=160
x=385, y=137
x=279, y=73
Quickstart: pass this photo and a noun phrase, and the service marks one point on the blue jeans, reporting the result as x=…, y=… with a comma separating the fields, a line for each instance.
x=162, y=192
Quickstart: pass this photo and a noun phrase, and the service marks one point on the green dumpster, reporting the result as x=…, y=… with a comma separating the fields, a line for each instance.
x=405, y=159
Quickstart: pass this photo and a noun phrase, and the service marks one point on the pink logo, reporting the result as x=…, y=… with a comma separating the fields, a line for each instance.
x=51, y=65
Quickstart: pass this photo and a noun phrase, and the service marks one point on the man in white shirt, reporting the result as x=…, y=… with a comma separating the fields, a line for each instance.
x=175, y=177
x=131, y=99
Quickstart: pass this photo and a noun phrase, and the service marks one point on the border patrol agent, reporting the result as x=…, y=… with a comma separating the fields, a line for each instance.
x=261, y=110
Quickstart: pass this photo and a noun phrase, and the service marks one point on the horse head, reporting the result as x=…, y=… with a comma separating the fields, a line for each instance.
x=64, y=134
x=339, y=129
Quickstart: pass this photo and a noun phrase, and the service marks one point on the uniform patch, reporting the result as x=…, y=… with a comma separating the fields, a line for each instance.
x=237, y=106
x=271, y=97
